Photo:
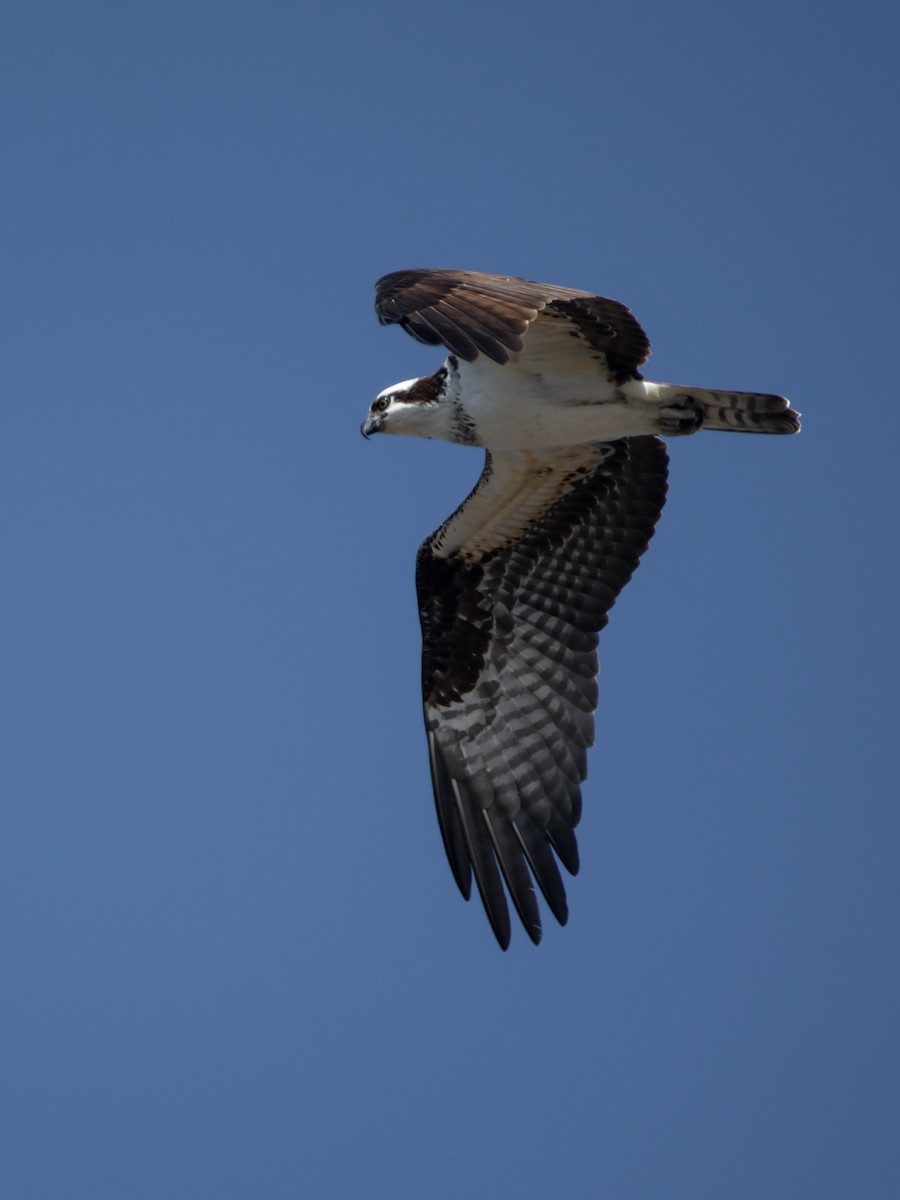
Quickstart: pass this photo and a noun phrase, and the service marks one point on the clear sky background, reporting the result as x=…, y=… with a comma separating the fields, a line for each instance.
x=234, y=962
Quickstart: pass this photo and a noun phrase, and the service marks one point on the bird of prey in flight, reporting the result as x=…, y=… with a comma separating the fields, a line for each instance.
x=515, y=586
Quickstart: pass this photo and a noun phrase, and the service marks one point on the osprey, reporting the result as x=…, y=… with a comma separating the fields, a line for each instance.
x=515, y=586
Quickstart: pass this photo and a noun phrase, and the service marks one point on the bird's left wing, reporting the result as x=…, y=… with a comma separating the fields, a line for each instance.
x=513, y=590
x=473, y=314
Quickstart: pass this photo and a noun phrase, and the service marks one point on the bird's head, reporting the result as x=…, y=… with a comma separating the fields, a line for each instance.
x=412, y=407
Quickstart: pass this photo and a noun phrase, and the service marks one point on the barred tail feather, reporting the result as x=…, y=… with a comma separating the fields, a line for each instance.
x=741, y=412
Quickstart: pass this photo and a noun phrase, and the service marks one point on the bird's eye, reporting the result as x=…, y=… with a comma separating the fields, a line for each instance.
x=380, y=404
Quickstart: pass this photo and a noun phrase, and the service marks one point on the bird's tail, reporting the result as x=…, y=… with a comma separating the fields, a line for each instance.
x=736, y=412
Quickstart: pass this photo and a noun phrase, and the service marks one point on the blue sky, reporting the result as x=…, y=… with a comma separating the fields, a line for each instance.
x=235, y=961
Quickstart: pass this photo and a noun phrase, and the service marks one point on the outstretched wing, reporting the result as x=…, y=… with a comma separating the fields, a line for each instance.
x=513, y=590
x=472, y=313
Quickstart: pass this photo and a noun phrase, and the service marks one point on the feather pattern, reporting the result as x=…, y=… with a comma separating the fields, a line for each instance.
x=472, y=313
x=510, y=618
x=515, y=586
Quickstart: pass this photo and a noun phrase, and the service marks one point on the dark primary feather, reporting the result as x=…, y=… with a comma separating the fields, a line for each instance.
x=509, y=668
x=471, y=313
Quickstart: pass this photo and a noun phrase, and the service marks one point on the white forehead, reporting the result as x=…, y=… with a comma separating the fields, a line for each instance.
x=397, y=387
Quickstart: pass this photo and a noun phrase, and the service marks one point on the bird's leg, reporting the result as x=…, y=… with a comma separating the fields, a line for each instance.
x=683, y=416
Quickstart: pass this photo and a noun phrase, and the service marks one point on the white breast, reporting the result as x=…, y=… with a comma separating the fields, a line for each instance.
x=517, y=409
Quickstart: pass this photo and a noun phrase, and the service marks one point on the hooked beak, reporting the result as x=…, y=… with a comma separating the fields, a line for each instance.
x=370, y=425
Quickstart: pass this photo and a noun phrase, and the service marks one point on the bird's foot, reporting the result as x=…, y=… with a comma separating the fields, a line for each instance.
x=682, y=417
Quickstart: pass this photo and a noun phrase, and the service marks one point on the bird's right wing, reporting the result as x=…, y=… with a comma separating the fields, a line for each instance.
x=513, y=589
